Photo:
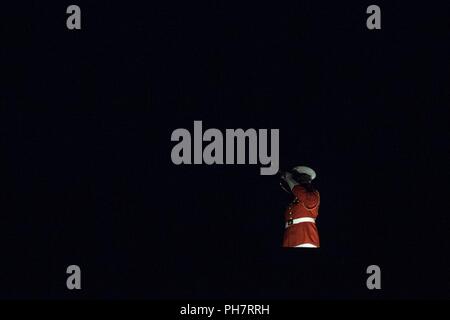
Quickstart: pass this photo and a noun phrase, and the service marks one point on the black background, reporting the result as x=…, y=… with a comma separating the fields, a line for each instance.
x=86, y=175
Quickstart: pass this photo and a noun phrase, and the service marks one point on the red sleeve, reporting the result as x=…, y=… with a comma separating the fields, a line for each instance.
x=299, y=192
x=309, y=199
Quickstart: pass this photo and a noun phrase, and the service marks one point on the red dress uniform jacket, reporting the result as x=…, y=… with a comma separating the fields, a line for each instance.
x=305, y=205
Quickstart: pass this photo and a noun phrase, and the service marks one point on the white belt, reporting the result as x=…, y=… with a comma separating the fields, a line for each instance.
x=299, y=220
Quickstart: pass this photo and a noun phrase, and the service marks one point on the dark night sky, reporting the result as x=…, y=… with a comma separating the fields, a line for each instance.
x=86, y=175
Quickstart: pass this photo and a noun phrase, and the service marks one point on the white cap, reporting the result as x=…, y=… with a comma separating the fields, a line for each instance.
x=305, y=170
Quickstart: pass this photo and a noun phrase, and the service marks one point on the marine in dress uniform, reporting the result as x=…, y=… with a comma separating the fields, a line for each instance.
x=301, y=214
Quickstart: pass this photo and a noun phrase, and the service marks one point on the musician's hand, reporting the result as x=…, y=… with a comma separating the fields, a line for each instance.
x=286, y=175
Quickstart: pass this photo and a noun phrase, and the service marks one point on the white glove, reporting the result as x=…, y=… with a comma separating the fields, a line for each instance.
x=287, y=176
